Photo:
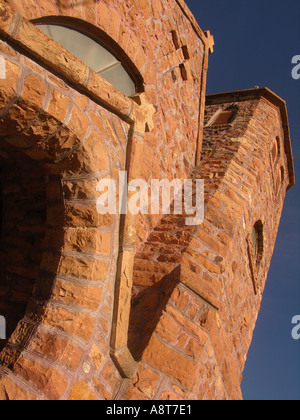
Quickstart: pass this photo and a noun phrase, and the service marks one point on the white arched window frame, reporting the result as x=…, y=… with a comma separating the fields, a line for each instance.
x=93, y=55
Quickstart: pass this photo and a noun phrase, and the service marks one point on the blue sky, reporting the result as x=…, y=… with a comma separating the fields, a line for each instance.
x=255, y=43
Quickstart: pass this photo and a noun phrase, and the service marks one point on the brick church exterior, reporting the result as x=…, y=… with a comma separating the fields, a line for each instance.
x=127, y=307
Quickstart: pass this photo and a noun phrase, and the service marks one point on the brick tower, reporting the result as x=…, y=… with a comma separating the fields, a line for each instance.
x=123, y=306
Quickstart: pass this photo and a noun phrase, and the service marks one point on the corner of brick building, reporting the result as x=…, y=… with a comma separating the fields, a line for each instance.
x=207, y=325
x=141, y=308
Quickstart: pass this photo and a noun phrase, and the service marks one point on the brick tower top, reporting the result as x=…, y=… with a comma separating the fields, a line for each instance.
x=229, y=99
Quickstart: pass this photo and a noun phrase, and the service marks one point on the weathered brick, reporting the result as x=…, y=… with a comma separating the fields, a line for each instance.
x=81, y=392
x=78, y=123
x=145, y=384
x=58, y=105
x=48, y=380
x=83, y=269
x=83, y=296
x=188, y=326
x=96, y=355
x=80, y=189
x=103, y=17
x=34, y=91
x=62, y=350
x=90, y=158
x=167, y=329
x=170, y=362
x=84, y=215
x=9, y=391
x=87, y=240
x=19, y=116
x=81, y=325
x=114, y=24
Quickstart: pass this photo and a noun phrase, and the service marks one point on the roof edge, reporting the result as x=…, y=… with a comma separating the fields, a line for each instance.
x=256, y=93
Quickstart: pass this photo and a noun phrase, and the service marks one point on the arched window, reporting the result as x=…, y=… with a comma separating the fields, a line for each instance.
x=257, y=242
x=93, y=55
x=278, y=146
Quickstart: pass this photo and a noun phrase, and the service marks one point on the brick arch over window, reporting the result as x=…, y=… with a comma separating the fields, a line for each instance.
x=101, y=37
x=97, y=20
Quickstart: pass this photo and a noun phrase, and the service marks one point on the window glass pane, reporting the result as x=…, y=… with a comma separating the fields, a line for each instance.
x=93, y=55
x=118, y=77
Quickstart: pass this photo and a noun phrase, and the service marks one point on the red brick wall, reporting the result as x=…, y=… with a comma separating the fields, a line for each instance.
x=170, y=149
x=196, y=292
x=60, y=348
x=58, y=254
x=199, y=341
